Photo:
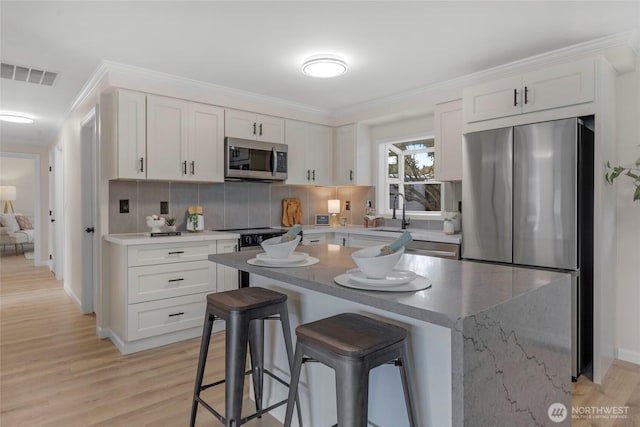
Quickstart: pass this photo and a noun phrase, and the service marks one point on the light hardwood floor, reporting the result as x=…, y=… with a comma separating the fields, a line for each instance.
x=54, y=371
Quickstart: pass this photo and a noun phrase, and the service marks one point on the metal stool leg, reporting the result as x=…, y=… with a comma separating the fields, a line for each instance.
x=202, y=359
x=236, y=338
x=352, y=393
x=406, y=375
x=288, y=343
x=256, y=349
x=293, y=386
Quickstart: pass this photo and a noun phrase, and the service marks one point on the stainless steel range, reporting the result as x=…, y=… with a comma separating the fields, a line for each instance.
x=250, y=238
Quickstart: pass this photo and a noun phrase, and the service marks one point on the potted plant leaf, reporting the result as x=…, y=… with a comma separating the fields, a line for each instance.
x=633, y=172
x=170, y=223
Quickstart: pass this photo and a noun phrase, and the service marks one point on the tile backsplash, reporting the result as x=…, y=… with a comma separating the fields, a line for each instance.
x=227, y=205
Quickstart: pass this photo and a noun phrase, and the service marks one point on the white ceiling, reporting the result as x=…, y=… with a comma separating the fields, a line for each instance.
x=391, y=47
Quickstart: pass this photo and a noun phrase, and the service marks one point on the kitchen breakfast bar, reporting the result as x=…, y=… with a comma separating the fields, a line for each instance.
x=490, y=345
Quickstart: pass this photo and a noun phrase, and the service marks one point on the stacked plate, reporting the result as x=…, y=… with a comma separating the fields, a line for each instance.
x=395, y=281
x=296, y=259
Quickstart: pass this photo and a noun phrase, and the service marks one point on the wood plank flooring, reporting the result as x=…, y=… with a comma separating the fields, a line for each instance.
x=54, y=371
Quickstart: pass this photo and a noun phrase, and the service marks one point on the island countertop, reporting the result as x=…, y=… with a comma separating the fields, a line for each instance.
x=459, y=288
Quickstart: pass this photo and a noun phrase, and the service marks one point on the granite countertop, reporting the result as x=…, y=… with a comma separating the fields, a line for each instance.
x=460, y=288
x=186, y=236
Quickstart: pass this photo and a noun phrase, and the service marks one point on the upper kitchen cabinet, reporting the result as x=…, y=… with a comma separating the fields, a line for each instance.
x=352, y=155
x=184, y=140
x=553, y=87
x=124, y=124
x=310, y=153
x=448, y=141
x=242, y=124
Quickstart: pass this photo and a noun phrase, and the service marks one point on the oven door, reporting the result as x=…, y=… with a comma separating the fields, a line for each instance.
x=247, y=159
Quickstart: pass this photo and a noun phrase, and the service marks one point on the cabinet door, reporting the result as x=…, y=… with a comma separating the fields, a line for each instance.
x=559, y=86
x=344, y=156
x=270, y=129
x=448, y=142
x=491, y=100
x=296, y=140
x=227, y=277
x=316, y=238
x=205, y=159
x=132, y=135
x=166, y=138
x=360, y=241
x=319, y=153
x=240, y=124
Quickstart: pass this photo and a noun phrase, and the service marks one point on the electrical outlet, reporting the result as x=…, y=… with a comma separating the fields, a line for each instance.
x=347, y=205
x=164, y=208
x=124, y=205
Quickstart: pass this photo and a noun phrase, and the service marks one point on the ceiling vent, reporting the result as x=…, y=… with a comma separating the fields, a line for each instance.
x=26, y=74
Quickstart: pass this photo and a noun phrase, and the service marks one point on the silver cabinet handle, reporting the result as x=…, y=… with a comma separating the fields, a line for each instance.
x=308, y=174
x=526, y=94
x=351, y=175
x=176, y=280
x=260, y=129
x=314, y=175
x=184, y=167
x=141, y=164
x=254, y=128
x=515, y=97
x=193, y=167
x=176, y=314
x=176, y=252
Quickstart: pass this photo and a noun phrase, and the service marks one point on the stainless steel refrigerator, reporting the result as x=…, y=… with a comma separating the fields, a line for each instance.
x=527, y=193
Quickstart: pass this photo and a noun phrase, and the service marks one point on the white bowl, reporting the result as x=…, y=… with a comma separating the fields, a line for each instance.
x=275, y=249
x=155, y=224
x=373, y=266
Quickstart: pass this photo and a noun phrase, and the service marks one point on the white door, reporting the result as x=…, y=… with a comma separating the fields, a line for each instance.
x=89, y=211
x=319, y=154
x=345, y=155
x=56, y=216
x=167, y=138
x=206, y=143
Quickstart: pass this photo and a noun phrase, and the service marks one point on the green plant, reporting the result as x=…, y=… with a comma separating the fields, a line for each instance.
x=193, y=220
x=170, y=221
x=633, y=172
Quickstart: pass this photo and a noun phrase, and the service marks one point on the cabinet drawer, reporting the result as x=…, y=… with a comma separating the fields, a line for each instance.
x=152, y=318
x=170, y=280
x=168, y=253
x=313, y=239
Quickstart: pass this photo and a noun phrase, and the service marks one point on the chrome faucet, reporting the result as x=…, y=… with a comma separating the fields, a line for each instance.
x=405, y=222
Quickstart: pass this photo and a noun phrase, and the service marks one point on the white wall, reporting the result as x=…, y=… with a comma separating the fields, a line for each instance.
x=628, y=220
x=19, y=173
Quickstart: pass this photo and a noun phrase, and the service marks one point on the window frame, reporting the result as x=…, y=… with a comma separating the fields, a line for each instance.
x=384, y=181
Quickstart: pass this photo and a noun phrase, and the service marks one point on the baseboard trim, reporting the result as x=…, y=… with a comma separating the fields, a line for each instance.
x=73, y=297
x=629, y=356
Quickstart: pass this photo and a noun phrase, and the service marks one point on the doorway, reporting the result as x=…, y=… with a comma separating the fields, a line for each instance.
x=89, y=191
x=56, y=214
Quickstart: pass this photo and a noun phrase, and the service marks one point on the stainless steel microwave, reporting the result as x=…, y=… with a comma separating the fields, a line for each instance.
x=245, y=159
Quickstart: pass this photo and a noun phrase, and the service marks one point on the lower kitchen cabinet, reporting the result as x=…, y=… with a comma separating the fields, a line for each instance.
x=362, y=241
x=158, y=291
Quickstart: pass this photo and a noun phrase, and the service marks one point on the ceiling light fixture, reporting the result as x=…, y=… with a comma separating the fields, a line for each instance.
x=324, y=66
x=15, y=118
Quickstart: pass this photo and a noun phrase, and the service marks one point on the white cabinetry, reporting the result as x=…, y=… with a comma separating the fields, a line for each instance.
x=311, y=238
x=552, y=87
x=448, y=141
x=310, y=153
x=126, y=133
x=157, y=292
x=227, y=276
x=363, y=241
x=352, y=156
x=185, y=140
x=247, y=125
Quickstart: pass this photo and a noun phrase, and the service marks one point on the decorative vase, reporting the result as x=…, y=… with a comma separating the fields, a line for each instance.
x=170, y=228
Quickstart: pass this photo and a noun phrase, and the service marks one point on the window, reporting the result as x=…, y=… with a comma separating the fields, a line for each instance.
x=409, y=170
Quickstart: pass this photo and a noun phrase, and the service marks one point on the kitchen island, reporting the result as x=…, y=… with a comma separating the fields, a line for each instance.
x=490, y=345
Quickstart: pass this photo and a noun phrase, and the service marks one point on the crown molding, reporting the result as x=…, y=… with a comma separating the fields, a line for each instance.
x=629, y=39
x=91, y=84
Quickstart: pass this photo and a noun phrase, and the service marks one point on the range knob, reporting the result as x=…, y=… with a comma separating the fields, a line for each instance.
x=247, y=240
x=258, y=240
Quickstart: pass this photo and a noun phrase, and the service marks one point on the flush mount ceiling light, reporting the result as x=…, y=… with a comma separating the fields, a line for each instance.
x=324, y=66
x=15, y=118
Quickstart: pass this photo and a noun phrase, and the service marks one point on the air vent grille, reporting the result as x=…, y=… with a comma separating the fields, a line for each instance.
x=26, y=74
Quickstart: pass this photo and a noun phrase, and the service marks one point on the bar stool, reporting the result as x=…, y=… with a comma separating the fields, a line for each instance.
x=244, y=310
x=352, y=345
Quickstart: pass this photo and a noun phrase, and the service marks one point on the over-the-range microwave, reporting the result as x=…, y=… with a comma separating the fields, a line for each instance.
x=245, y=159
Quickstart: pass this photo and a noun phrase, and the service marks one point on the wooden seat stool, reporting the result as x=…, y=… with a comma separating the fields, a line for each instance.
x=352, y=345
x=244, y=311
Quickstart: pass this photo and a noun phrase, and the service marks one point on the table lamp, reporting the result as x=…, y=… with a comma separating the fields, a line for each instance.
x=333, y=207
x=8, y=194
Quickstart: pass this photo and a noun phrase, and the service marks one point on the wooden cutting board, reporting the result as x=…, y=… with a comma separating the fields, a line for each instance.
x=291, y=212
